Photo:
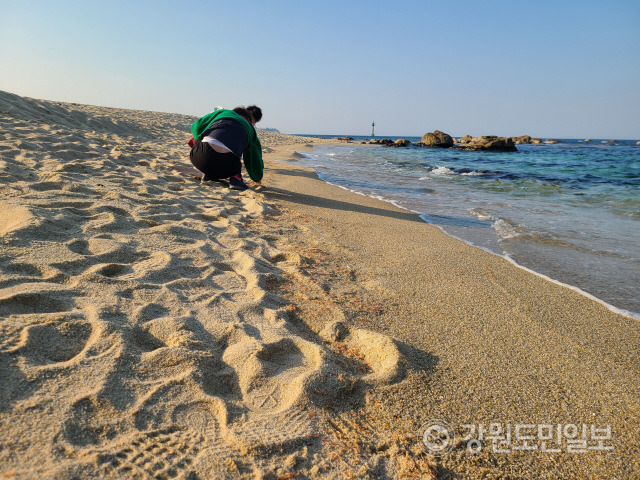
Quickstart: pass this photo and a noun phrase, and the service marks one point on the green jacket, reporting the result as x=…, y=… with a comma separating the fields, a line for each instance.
x=252, y=155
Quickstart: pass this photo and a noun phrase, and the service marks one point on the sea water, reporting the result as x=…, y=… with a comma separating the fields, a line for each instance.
x=570, y=211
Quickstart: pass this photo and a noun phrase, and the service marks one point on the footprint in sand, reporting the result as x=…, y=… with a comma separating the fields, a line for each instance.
x=96, y=246
x=55, y=341
x=272, y=377
x=247, y=395
x=81, y=247
x=162, y=454
x=110, y=270
x=28, y=298
x=103, y=221
x=155, y=267
x=109, y=220
x=199, y=417
x=209, y=419
x=170, y=453
x=376, y=351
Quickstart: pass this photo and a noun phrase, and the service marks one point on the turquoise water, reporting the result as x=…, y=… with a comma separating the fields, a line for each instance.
x=570, y=211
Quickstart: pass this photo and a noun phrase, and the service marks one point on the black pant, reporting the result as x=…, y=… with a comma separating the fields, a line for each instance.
x=214, y=164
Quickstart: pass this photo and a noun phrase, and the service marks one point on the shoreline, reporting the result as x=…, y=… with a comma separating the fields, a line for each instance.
x=613, y=308
x=530, y=268
x=156, y=326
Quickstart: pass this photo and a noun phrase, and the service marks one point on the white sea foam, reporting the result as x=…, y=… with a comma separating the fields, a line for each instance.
x=505, y=229
x=479, y=214
x=442, y=171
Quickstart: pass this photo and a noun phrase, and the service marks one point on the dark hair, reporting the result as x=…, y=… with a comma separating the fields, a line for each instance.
x=256, y=112
x=244, y=112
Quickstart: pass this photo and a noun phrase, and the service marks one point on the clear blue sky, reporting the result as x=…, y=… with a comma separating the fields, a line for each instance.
x=561, y=68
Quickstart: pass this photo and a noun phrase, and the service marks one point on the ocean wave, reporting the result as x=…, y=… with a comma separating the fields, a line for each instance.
x=480, y=213
x=470, y=172
x=475, y=173
x=442, y=171
x=506, y=229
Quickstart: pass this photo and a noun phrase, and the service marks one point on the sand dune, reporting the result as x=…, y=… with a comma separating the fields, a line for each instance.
x=141, y=336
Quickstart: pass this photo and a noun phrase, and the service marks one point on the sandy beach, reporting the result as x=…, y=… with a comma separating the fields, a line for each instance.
x=153, y=326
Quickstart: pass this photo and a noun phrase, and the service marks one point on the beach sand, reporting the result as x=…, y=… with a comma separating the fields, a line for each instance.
x=156, y=327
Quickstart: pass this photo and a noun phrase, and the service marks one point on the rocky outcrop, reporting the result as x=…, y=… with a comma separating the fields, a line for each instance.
x=551, y=141
x=436, y=139
x=381, y=141
x=637, y=143
x=587, y=140
x=526, y=140
x=344, y=139
x=387, y=142
x=521, y=140
x=468, y=140
x=488, y=143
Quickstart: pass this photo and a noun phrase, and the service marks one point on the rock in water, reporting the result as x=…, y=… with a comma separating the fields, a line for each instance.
x=522, y=140
x=437, y=139
x=489, y=143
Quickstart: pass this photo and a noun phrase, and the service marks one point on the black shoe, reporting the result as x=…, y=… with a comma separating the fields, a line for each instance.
x=206, y=178
x=237, y=183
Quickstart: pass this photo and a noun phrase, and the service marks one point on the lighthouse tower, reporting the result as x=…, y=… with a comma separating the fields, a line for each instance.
x=373, y=129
